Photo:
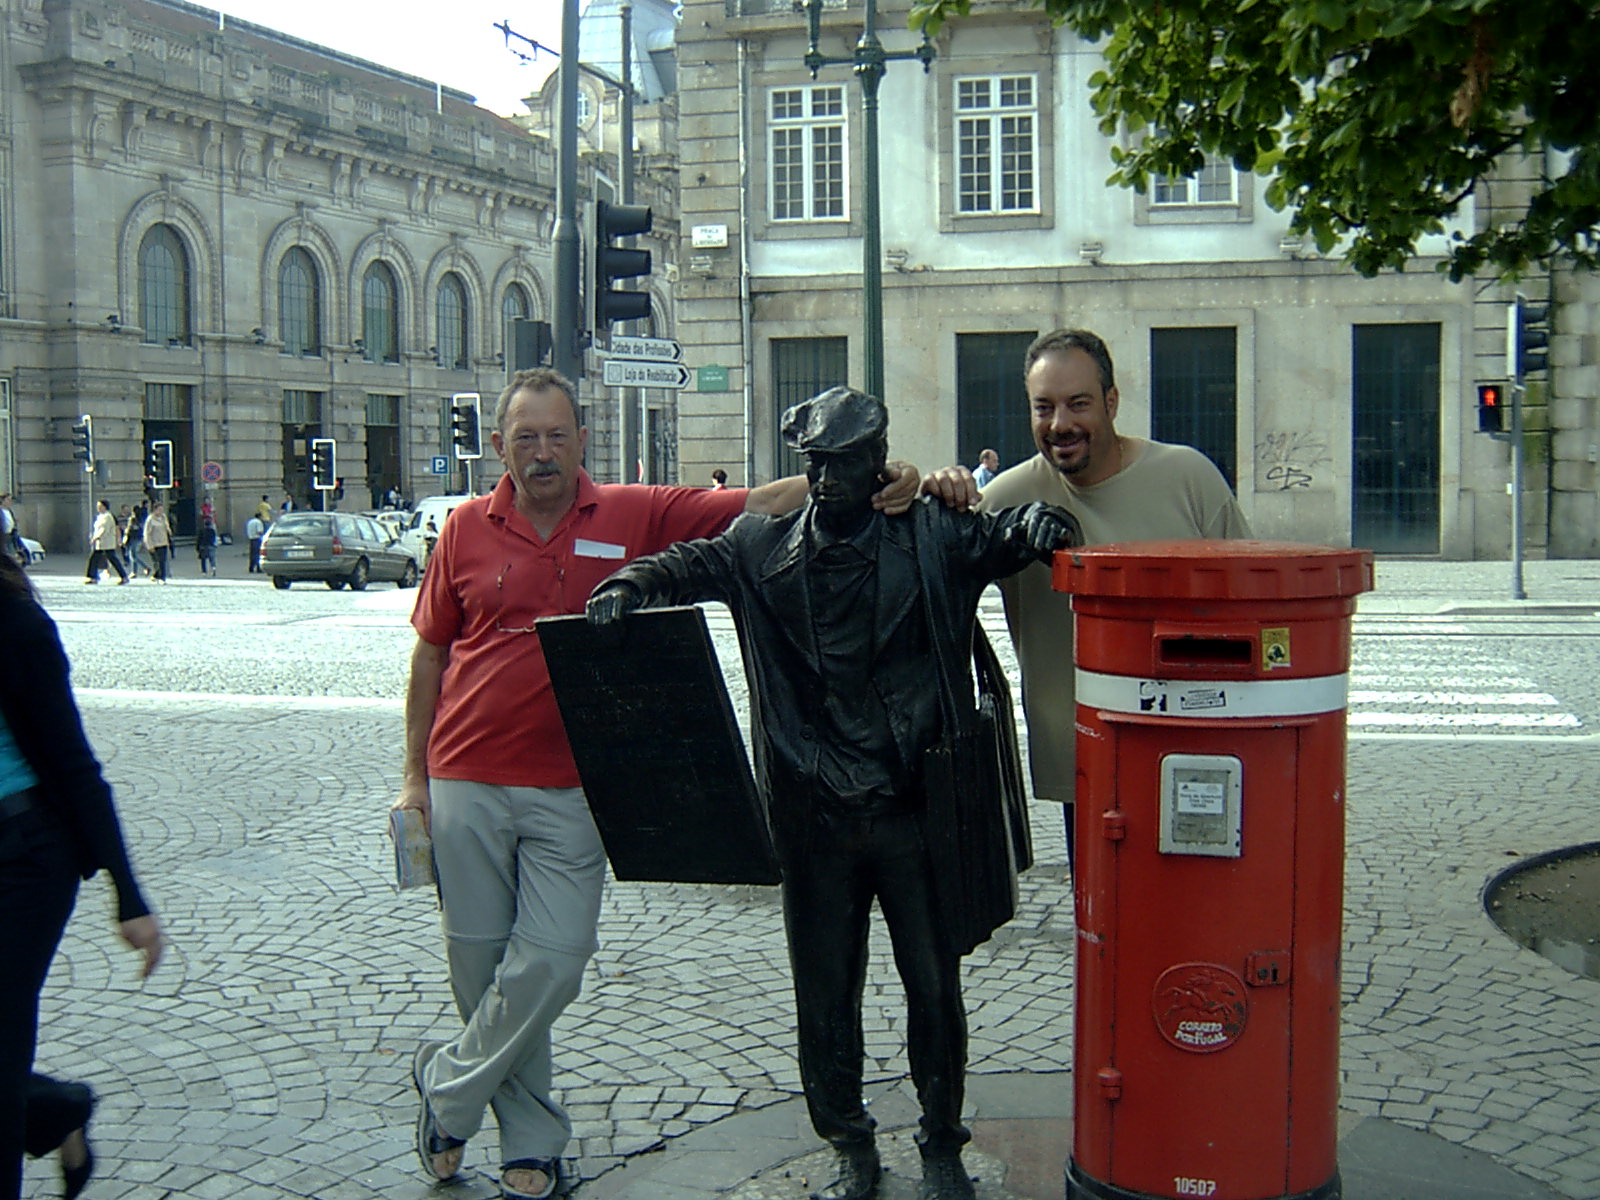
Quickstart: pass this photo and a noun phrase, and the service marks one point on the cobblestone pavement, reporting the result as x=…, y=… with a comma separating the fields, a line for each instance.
x=268, y=1057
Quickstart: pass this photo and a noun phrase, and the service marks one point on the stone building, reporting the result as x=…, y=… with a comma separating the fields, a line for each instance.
x=220, y=236
x=1342, y=409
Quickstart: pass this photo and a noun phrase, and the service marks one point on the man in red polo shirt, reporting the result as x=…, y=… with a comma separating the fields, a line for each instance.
x=520, y=864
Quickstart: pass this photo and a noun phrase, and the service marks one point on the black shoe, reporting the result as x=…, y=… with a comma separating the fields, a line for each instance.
x=857, y=1178
x=75, y=1179
x=944, y=1178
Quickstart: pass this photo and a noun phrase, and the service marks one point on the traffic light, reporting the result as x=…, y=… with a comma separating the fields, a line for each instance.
x=530, y=344
x=465, y=431
x=1491, y=407
x=158, y=465
x=1527, y=338
x=612, y=221
x=324, y=463
x=83, y=441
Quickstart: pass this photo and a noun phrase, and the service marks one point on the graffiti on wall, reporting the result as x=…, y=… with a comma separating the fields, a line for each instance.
x=1291, y=458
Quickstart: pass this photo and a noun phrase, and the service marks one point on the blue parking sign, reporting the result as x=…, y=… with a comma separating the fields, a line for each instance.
x=441, y=465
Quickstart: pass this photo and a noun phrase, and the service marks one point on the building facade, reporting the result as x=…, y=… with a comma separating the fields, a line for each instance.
x=1342, y=409
x=223, y=237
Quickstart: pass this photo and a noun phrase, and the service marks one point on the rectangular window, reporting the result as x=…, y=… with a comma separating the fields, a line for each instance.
x=302, y=408
x=991, y=401
x=802, y=367
x=1194, y=392
x=167, y=401
x=808, y=149
x=996, y=144
x=382, y=410
x=1214, y=184
x=1395, y=467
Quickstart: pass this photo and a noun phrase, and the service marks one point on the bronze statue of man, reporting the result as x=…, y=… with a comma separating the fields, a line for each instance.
x=844, y=616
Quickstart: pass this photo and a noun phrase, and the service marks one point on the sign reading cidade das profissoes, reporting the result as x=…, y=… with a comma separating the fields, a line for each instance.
x=654, y=349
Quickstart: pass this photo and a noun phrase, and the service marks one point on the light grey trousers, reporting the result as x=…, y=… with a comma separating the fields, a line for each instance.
x=521, y=871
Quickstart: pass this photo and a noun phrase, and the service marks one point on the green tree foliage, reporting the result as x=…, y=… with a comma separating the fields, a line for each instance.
x=1371, y=119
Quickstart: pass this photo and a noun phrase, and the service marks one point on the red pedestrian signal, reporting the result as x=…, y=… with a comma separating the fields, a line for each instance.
x=1491, y=407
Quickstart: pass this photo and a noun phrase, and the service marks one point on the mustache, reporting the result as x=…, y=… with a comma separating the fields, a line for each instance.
x=541, y=470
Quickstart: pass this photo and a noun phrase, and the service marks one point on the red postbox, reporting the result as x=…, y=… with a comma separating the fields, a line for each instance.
x=1212, y=679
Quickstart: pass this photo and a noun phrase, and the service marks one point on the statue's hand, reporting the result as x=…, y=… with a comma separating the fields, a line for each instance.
x=1044, y=529
x=954, y=485
x=611, y=602
x=896, y=495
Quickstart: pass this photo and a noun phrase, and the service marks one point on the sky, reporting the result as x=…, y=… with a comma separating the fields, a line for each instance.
x=454, y=43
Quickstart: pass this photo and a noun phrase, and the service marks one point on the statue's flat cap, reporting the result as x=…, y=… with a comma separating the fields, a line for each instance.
x=838, y=419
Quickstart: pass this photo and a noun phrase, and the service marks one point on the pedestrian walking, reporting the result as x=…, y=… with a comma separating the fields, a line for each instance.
x=205, y=545
x=254, y=530
x=133, y=541
x=10, y=539
x=104, y=538
x=264, y=510
x=57, y=823
x=158, y=538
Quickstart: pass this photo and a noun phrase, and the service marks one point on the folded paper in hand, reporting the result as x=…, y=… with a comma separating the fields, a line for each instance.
x=413, y=848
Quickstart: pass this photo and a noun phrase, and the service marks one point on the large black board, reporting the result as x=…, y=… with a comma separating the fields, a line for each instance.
x=658, y=749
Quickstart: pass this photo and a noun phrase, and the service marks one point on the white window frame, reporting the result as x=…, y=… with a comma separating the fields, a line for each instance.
x=989, y=121
x=823, y=115
x=1189, y=191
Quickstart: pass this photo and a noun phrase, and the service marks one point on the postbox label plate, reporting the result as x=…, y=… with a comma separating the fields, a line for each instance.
x=1201, y=809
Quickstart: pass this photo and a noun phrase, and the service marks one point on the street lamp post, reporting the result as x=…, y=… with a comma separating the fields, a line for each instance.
x=869, y=61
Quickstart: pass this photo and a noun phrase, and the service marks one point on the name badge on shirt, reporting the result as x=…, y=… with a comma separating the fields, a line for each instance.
x=584, y=548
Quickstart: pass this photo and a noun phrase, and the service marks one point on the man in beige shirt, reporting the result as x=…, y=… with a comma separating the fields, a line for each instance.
x=1121, y=489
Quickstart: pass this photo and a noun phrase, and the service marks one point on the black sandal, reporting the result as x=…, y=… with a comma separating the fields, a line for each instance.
x=431, y=1140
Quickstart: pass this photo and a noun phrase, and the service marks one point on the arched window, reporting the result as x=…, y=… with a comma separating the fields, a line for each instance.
x=164, y=287
x=452, y=322
x=299, y=304
x=380, y=315
x=513, y=307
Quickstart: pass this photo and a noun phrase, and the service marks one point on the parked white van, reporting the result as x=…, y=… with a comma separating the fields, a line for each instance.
x=414, y=537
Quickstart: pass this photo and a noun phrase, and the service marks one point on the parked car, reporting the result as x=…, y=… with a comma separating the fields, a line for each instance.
x=429, y=508
x=35, y=552
x=337, y=548
x=393, y=523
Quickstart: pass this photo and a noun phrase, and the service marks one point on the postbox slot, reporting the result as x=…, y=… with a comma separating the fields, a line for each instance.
x=1205, y=651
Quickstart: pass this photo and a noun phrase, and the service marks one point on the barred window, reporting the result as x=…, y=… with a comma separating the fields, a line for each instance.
x=997, y=144
x=299, y=304
x=164, y=287
x=380, y=315
x=452, y=304
x=808, y=154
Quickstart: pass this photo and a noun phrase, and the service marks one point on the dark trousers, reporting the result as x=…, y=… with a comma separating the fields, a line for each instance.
x=255, y=554
x=161, y=553
x=38, y=885
x=101, y=558
x=828, y=889
x=55, y=1108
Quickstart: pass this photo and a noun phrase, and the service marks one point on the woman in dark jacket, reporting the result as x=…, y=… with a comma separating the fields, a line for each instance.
x=57, y=825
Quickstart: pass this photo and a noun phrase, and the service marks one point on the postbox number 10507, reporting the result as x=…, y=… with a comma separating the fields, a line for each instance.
x=1194, y=1187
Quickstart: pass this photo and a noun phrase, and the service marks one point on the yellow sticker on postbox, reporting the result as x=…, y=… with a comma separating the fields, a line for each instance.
x=1274, y=648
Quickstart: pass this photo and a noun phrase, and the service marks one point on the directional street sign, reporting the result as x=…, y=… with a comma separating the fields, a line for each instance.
x=632, y=372
x=658, y=349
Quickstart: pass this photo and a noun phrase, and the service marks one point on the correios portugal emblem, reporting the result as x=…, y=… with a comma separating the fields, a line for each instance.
x=1200, y=1007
